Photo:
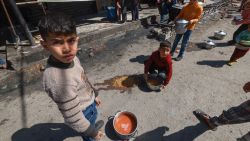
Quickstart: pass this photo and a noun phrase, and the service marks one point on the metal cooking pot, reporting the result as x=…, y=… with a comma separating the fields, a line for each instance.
x=238, y=18
x=177, y=6
x=209, y=44
x=180, y=26
x=134, y=131
x=220, y=34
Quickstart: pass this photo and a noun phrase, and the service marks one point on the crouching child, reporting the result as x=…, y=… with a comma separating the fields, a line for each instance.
x=159, y=64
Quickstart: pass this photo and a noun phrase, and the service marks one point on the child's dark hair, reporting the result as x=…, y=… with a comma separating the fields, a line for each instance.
x=56, y=23
x=165, y=44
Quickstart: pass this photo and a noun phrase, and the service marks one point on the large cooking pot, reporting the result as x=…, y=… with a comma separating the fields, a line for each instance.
x=220, y=34
x=125, y=125
x=180, y=26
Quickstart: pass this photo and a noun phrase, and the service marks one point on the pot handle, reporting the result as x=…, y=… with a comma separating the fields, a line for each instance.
x=110, y=117
x=117, y=112
x=135, y=135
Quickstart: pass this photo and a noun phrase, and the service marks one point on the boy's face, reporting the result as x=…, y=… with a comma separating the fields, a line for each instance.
x=62, y=47
x=164, y=51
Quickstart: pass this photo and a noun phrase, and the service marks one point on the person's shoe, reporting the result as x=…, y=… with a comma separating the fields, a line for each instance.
x=99, y=124
x=230, y=63
x=178, y=58
x=203, y=117
x=4, y=66
x=231, y=42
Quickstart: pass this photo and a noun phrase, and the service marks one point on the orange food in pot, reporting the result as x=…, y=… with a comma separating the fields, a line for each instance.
x=154, y=82
x=125, y=124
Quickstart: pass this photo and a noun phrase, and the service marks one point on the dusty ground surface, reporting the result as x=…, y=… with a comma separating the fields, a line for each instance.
x=200, y=80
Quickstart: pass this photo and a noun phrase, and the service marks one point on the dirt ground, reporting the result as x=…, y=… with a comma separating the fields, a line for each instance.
x=200, y=80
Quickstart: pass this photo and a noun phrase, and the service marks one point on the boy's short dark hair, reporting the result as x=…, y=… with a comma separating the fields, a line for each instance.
x=56, y=23
x=165, y=44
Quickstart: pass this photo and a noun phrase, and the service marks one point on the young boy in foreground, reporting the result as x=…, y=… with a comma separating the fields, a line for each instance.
x=64, y=78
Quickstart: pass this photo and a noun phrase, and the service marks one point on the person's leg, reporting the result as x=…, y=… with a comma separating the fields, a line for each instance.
x=176, y=41
x=3, y=64
x=118, y=13
x=133, y=12
x=124, y=14
x=238, y=53
x=234, y=115
x=184, y=44
x=171, y=16
x=160, y=11
x=137, y=12
x=152, y=69
x=162, y=75
x=90, y=114
x=165, y=12
x=239, y=30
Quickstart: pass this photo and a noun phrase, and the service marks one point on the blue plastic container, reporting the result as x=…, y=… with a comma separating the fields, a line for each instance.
x=111, y=13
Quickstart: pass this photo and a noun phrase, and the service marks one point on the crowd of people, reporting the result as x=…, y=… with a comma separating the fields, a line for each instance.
x=122, y=7
x=241, y=113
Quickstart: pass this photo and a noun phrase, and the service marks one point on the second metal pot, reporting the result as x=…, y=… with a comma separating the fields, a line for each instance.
x=220, y=34
x=180, y=26
x=209, y=44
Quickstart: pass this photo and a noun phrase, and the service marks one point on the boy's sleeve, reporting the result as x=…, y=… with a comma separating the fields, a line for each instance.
x=199, y=13
x=169, y=71
x=180, y=15
x=69, y=105
x=148, y=63
x=198, y=16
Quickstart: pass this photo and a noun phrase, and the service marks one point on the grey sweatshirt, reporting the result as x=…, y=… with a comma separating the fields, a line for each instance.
x=69, y=88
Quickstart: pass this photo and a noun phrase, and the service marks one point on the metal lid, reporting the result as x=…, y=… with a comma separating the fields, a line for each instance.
x=177, y=6
x=238, y=17
x=210, y=42
x=182, y=21
x=221, y=32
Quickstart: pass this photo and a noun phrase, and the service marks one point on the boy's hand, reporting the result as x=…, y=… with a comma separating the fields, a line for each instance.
x=97, y=101
x=246, y=87
x=193, y=21
x=163, y=87
x=99, y=135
